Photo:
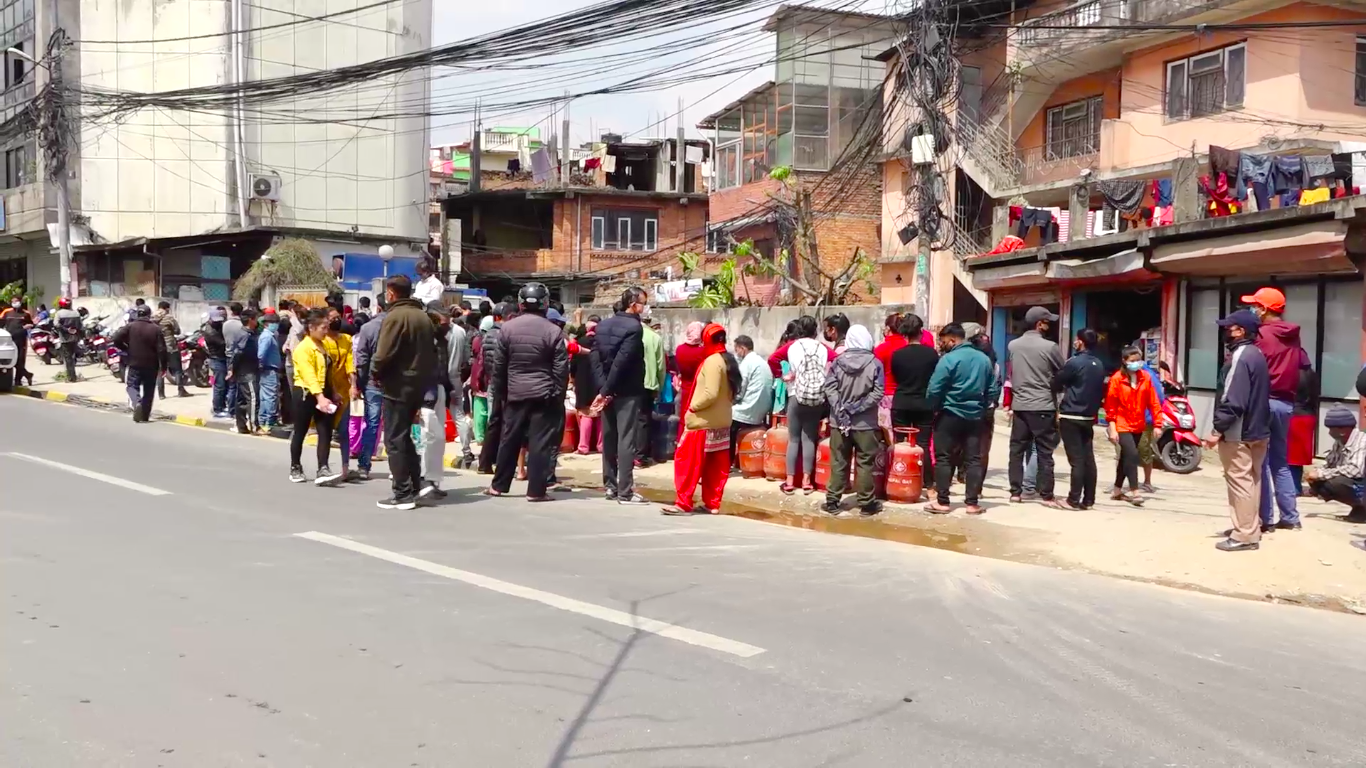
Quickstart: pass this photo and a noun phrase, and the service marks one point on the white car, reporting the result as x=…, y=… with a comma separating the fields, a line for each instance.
x=9, y=358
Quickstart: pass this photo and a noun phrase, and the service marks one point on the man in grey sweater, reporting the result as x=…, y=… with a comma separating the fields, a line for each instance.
x=1033, y=361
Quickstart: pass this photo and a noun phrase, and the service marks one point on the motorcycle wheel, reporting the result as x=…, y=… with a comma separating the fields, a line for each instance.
x=118, y=373
x=200, y=374
x=47, y=357
x=1181, y=458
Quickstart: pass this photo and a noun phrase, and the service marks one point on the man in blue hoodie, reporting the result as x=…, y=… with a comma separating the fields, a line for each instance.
x=961, y=390
x=1242, y=429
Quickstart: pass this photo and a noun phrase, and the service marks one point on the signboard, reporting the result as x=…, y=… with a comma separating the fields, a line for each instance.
x=676, y=290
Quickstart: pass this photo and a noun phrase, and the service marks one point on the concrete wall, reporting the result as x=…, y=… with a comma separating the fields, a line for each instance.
x=190, y=314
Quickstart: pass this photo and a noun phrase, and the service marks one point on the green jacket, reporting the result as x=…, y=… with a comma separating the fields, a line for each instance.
x=962, y=383
x=654, y=358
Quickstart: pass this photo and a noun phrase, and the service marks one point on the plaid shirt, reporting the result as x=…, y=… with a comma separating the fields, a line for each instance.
x=1346, y=459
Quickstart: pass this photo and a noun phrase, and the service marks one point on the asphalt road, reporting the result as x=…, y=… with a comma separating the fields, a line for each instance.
x=165, y=611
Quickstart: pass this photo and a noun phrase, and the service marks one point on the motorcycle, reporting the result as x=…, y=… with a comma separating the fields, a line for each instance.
x=1178, y=447
x=194, y=358
x=43, y=339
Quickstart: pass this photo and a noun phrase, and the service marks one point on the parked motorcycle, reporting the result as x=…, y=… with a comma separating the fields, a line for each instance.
x=1178, y=447
x=194, y=358
x=43, y=339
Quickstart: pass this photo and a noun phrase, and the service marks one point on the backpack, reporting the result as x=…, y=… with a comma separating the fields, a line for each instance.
x=809, y=384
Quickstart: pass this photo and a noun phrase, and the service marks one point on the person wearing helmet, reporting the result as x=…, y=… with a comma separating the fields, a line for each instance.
x=68, y=322
x=530, y=375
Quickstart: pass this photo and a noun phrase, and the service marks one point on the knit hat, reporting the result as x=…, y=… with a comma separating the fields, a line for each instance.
x=1339, y=416
x=971, y=330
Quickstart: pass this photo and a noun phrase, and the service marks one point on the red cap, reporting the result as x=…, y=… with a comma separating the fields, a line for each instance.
x=1267, y=298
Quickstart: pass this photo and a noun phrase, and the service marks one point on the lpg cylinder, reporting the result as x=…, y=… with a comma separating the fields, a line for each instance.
x=775, y=450
x=823, y=464
x=665, y=437
x=569, y=439
x=750, y=447
x=904, y=478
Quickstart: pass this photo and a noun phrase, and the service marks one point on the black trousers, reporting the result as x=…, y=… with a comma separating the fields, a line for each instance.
x=923, y=421
x=1078, y=439
x=958, y=439
x=529, y=424
x=1040, y=429
x=405, y=470
x=249, y=399
x=68, y=350
x=306, y=413
x=21, y=372
x=1127, y=464
x=644, y=431
x=620, y=431
x=142, y=386
x=493, y=435
x=1340, y=489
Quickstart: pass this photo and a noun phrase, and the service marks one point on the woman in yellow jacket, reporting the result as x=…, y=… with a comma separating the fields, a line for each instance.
x=341, y=373
x=314, y=400
x=703, y=454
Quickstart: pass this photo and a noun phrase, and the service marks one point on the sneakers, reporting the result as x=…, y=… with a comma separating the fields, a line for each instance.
x=296, y=475
x=362, y=475
x=396, y=503
x=1284, y=526
x=831, y=507
x=868, y=510
x=430, y=490
x=326, y=476
x=610, y=496
x=634, y=500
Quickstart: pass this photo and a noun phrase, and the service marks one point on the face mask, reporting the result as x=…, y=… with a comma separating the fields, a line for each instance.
x=645, y=313
x=16, y=304
x=334, y=325
x=1135, y=365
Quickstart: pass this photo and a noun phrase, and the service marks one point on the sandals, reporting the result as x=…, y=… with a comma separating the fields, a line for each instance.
x=491, y=492
x=935, y=508
x=808, y=489
x=674, y=510
x=787, y=489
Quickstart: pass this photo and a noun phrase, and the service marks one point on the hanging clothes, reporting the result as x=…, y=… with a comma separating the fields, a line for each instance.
x=1342, y=167
x=1124, y=195
x=1287, y=174
x=1162, y=192
x=1037, y=217
x=1225, y=161
x=1317, y=167
x=1008, y=243
x=1064, y=224
x=1221, y=201
x=1254, y=170
x=592, y=163
x=1319, y=195
x=1106, y=221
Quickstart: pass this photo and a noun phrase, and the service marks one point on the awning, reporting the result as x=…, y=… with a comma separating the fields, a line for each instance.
x=742, y=222
x=1010, y=276
x=1313, y=248
x=1127, y=265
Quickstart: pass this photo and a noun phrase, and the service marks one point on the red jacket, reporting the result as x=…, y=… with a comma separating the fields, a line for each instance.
x=1126, y=405
x=884, y=352
x=1279, y=342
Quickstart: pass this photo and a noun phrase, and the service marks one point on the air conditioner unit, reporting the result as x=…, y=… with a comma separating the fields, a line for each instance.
x=265, y=187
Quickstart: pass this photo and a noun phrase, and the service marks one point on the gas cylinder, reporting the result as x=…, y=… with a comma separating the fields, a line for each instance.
x=665, y=443
x=750, y=447
x=775, y=450
x=569, y=439
x=823, y=464
x=905, y=478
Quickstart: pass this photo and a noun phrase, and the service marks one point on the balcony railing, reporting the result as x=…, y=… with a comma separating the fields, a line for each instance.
x=1058, y=161
x=14, y=99
x=1066, y=24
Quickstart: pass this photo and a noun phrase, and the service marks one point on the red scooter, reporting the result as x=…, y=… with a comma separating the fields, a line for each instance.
x=1178, y=447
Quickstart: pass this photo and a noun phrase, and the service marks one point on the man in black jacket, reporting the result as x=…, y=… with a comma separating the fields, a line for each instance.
x=530, y=376
x=620, y=354
x=244, y=370
x=1081, y=381
x=488, y=349
x=1242, y=429
x=145, y=352
x=404, y=364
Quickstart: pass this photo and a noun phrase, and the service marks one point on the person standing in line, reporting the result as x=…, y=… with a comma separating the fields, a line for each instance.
x=1081, y=382
x=289, y=318
x=688, y=358
x=836, y=328
x=962, y=388
x=141, y=342
x=271, y=366
x=69, y=333
x=429, y=287
x=1128, y=394
x=17, y=321
x=457, y=341
x=341, y=372
x=556, y=317
x=216, y=354
x=314, y=401
x=170, y=335
x=654, y=380
x=853, y=390
x=913, y=366
x=362, y=349
x=702, y=455
x=404, y=364
x=981, y=341
x=1279, y=343
x=1242, y=429
x=431, y=418
x=232, y=334
x=244, y=372
x=1147, y=442
x=586, y=387
x=620, y=352
x=892, y=340
x=493, y=429
x=531, y=375
x=1340, y=479
x=755, y=395
x=363, y=314
x=1034, y=361
x=806, y=405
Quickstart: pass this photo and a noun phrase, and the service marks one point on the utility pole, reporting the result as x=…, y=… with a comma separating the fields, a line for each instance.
x=681, y=154
x=53, y=135
x=564, y=144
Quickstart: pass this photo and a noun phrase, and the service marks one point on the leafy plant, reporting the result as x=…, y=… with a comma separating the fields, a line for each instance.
x=31, y=297
x=288, y=262
x=690, y=262
x=720, y=292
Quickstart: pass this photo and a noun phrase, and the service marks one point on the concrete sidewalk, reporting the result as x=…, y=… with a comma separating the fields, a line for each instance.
x=1170, y=540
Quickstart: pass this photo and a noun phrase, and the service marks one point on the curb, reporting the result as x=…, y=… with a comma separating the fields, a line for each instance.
x=102, y=404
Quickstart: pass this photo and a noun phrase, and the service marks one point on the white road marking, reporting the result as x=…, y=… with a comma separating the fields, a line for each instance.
x=611, y=615
x=103, y=478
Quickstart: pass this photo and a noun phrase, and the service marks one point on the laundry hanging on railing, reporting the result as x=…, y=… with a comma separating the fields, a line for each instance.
x=1041, y=218
x=1124, y=195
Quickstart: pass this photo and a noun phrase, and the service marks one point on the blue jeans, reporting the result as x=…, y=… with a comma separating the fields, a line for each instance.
x=219, y=368
x=1276, y=479
x=373, y=402
x=142, y=385
x=270, y=398
x=1031, y=471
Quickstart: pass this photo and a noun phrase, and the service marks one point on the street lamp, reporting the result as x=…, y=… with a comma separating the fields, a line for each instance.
x=386, y=255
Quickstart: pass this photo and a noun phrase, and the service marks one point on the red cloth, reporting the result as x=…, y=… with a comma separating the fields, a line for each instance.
x=883, y=352
x=688, y=358
x=573, y=347
x=1279, y=342
x=1221, y=200
x=1016, y=211
x=591, y=163
x=1008, y=243
x=1300, y=446
x=779, y=356
x=693, y=464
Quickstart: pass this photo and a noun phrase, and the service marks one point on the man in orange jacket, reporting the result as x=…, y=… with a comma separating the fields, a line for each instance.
x=1128, y=397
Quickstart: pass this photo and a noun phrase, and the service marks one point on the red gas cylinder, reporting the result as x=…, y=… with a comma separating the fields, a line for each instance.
x=750, y=447
x=775, y=450
x=569, y=441
x=823, y=464
x=905, y=478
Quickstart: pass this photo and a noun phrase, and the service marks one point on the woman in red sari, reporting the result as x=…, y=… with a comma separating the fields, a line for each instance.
x=688, y=358
x=703, y=453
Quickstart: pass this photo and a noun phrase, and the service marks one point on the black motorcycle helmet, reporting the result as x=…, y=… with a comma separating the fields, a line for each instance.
x=534, y=297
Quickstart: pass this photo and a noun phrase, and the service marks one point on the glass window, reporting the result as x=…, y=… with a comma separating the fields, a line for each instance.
x=1342, y=328
x=1206, y=352
x=1206, y=83
x=628, y=229
x=1302, y=308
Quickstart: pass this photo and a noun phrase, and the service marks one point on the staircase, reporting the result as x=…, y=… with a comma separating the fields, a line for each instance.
x=989, y=155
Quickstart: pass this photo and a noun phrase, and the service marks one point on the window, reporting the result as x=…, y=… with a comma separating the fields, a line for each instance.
x=1206, y=351
x=1073, y=130
x=1361, y=72
x=16, y=31
x=1341, y=321
x=728, y=166
x=18, y=166
x=718, y=240
x=624, y=229
x=1208, y=83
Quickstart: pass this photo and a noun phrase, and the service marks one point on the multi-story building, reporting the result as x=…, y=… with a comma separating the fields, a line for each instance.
x=179, y=202
x=825, y=87
x=1114, y=120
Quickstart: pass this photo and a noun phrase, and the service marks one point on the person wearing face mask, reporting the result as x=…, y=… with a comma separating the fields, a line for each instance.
x=620, y=355
x=244, y=369
x=315, y=401
x=1081, y=381
x=654, y=379
x=1242, y=429
x=1340, y=479
x=1034, y=360
x=271, y=365
x=341, y=370
x=404, y=364
x=17, y=320
x=1128, y=395
x=1279, y=343
x=961, y=390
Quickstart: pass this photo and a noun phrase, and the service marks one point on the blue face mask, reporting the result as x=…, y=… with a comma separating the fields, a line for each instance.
x=1136, y=365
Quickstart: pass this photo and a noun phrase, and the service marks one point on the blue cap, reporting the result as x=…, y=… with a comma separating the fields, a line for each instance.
x=554, y=316
x=1243, y=318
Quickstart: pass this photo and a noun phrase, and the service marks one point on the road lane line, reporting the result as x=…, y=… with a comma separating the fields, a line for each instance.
x=653, y=626
x=103, y=478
